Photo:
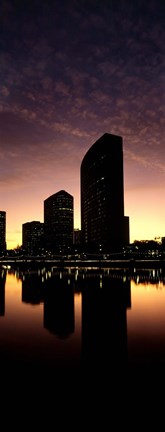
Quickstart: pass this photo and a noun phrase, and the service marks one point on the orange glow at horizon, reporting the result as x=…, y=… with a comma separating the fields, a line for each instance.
x=144, y=208
x=67, y=93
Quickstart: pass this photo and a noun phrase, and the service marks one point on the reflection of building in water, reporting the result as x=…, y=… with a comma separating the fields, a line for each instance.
x=59, y=307
x=104, y=322
x=32, y=289
x=2, y=293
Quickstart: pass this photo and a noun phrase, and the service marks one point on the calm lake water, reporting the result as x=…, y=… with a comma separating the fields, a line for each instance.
x=81, y=318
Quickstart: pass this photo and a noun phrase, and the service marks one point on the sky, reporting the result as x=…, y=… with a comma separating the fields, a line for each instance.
x=70, y=71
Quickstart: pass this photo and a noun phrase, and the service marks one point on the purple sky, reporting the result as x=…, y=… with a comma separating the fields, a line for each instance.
x=69, y=72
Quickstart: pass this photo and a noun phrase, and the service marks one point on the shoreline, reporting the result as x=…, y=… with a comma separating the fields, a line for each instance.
x=34, y=262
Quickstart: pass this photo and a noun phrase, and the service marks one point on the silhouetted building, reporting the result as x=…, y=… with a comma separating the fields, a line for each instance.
x=103, y=224
x=58, y=222
x=77, y=236
x=32, y=236
x=163, y=241
x=2, y=231
x=126, y=239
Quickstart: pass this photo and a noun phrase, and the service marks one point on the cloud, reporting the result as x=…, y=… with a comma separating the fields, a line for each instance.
x=4, y=91
x=67, y=129
x=62, y=88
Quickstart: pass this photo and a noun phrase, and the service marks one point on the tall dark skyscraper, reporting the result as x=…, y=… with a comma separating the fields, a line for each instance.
x=58, y=222
x=103, y=224
x=2, y=231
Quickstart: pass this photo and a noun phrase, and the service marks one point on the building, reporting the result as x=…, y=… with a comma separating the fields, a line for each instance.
x=163, y=241
x=58, y=222
x=103, y=224
x=76, y=240
x=77, y=236
x=2, y=231
x=32, y=237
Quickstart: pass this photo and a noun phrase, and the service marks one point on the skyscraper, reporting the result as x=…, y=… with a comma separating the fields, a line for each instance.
x=2, y=231
x=32, y=236
x=58, y=222
x=103, y=224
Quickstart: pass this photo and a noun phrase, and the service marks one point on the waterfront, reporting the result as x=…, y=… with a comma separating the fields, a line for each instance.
x=81, y=318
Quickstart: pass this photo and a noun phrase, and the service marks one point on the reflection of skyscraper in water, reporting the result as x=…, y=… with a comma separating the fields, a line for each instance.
x=2, y=293
x=104, y=322
x=59, y=307
x=32, y=289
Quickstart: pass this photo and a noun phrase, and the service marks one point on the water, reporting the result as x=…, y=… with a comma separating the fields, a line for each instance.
x=81, y=319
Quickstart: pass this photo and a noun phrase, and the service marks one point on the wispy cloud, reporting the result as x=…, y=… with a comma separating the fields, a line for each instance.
x=71, y=71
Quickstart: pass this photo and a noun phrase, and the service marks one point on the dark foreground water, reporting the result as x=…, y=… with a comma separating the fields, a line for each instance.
x=81, y=319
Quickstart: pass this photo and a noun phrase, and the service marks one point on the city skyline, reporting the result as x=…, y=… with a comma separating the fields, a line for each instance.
x=70, y=72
